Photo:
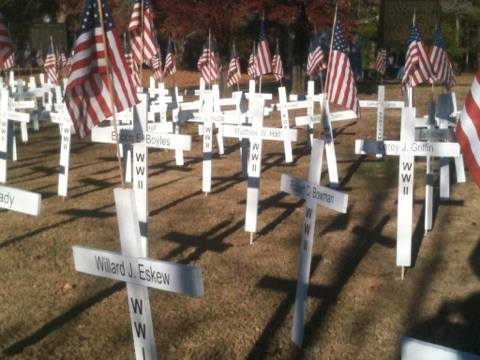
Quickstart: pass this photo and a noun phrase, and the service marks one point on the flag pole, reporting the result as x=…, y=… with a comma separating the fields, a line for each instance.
x=209, y=57
x=235, y=56
x=142, y=26
x=110, y=90
x=261, y=76
x=278, y=48
x=53, y=52
x=327, y=76
x=175, y=73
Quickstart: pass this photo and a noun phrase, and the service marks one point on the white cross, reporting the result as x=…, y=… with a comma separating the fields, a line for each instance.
x=381, y=105
x=5, y=137
x=325, y=119
x=284, y=107
x=22, y=201
x=251, y=95
x=256, y=133
x=22, y=105
x=141, y=139
x=62, y=118
x=139, y=272
x=413, y=349
x=314, y=195
x=407, y=149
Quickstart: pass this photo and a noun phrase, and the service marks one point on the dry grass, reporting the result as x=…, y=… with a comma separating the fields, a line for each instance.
x=357, y=309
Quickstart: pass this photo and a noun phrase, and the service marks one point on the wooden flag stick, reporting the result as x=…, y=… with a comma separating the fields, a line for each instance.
x=235, y=57
x=330, y=54
x=110, y=90
x=209, y=56
x=142, y=24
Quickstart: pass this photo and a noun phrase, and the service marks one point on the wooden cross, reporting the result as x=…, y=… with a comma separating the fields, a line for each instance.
x=62, y=118
x=381, y=105
x=314, y=195
x=5, y=116
x=407, y=149
x=22, y=201
x=284, y=107
x=325, y=119
x=138, y=137
x=139, y=272
x=256, y=134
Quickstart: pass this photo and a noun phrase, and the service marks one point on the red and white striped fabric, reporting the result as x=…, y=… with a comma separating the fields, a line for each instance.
x=441, y=65
x=468, y=130
x=316, y=59
x=142, y=43
x=50, y=67
x=6, y=45
x=341, y=86
x=381, y=62
x=9, y=63
x=170, y=60
x=87, y=96
x=264, y=57
x=69, y=62
x=417, y=64
x=134, y=70
x=62, y=61
x=252, y=69
x=277, y=64
x=233, y=74
x=156, y=63
x=208, y=66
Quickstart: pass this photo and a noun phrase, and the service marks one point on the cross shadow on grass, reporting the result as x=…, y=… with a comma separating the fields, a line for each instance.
x=457, y=322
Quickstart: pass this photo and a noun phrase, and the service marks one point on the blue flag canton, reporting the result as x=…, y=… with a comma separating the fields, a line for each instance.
x=91, y=17
x=339, y=42
x=439, y=40
x=262, y=36
x=414, y=34
x=146, y=3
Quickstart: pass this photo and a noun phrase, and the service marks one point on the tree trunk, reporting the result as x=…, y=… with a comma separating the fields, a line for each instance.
x=457, y=30
x=298, y=80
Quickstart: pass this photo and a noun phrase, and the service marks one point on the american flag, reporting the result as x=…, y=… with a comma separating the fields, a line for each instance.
x=62, y=60
x=341, y=86
x=142, y=42
x=234, y=74
x=252, y=69
x=50, y=66
x=468, y=130
x=133, y=66
x=9, y=63
x=39, y=58
x=170, y=60
x=6, y=45
x=381, y=62
x=441, y=65
x=156, y=63
x=277, y=64
x=316, y=59
x=69, y=61
x=87, y=96
x=264, y=58
x=417, y=64
x=207, y=65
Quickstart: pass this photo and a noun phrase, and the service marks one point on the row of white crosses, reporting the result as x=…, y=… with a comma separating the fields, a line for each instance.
x=7, y=138
x=133, y=265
